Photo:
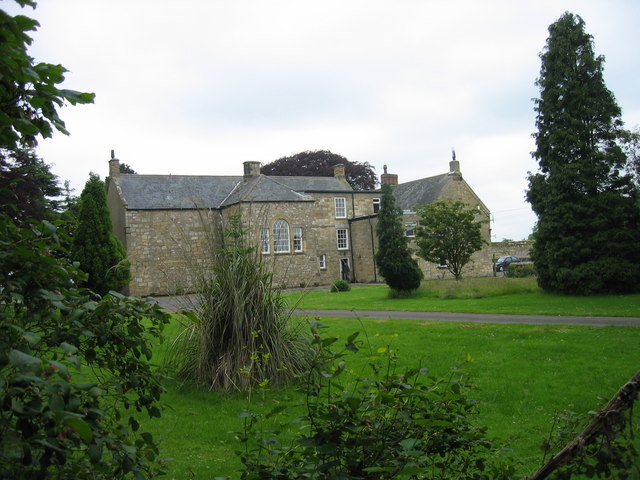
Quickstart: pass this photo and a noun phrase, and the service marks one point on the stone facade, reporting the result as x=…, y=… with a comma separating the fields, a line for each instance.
x=169, y=223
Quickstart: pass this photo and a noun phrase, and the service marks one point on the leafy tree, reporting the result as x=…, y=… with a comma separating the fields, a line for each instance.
x=320, y=163
x=631, y=147
x=100, y=254
x=74, y=368
x=588, y=221
x=393, y=258
x=27, y=186
x=29, y=94
x=126, y=168
x=448, y=231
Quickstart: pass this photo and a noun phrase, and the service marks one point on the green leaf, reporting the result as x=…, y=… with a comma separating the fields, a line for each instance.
x=409, y=443
x=81, y=428
x=56, y=403
x=23, y=361
x=95, y=453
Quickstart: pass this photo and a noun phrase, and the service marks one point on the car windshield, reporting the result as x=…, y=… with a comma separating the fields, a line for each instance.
x=502, y=259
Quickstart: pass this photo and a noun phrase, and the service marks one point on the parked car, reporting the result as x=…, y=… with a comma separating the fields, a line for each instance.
x=503, y=262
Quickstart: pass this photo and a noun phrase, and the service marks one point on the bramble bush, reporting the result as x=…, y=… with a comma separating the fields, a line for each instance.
x=75, y=367
x=380, y=426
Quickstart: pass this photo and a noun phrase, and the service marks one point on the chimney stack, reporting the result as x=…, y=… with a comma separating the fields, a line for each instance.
x=388, y=178
x=114, y=165
x=454, y=165
x=251, y=169
x=338, y=170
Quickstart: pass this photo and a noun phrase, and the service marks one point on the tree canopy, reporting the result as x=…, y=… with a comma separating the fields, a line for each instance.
x=448, y=232
x=319, y=163
x=393, y=258
x=588, y=221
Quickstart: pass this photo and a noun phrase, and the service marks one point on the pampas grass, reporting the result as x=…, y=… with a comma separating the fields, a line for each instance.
x=242, y=334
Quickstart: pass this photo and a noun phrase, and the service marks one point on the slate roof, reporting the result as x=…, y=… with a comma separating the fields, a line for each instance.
x=420, y=192
x=168, y=192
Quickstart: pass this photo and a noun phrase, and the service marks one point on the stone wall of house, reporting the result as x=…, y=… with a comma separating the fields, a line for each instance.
x=365, y=246
x=167, y=249
x=319, y=224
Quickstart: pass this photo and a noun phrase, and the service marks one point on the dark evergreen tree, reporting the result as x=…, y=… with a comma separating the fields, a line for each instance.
x=27, y=186
x=319, y=163
x=100, y=254
x=393, y=258
x=588, y=228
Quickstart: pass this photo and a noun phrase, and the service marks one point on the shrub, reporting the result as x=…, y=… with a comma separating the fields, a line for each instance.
x=521, y=271
x=379, y=426
x=74, y=367
x=340, y=286
x=241, y=335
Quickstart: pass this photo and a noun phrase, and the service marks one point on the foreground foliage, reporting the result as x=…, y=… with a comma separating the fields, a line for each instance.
x=588, y=217
x=29, y=92
x=380, y=426
x=74, y=367
x=242, y=334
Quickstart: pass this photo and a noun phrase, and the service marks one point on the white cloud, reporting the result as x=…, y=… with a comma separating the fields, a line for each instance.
x=198, y=87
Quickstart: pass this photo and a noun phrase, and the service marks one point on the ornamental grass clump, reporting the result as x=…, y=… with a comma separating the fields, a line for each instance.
x=241, y=335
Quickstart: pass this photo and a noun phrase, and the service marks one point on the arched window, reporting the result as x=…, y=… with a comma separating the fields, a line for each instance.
x=281, y=242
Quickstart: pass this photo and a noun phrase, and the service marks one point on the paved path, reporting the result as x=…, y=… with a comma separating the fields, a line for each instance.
x=173, y=304
x=477, y=317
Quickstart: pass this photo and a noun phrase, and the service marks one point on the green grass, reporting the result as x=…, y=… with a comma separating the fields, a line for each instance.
x=487, y=295
x=525, y=375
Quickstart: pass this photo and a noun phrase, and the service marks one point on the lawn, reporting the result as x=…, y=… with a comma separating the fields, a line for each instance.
x=525, y=374
x=487, y=295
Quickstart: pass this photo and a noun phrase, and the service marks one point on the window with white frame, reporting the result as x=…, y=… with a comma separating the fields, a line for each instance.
x=322, y=262
x=376, y=205
x=410, y=229
x=343, y=239
x=341, y=207
x=297, y=239
x=281, y=237
x=264, y=240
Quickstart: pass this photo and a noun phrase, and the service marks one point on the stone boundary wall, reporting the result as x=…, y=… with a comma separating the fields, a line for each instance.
x=520, y=249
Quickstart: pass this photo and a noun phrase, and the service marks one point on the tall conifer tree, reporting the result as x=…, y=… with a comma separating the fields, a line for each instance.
x=588, y=223
x=400, y=271
x=100, y=254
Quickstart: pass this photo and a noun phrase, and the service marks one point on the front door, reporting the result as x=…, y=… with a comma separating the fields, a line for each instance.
x=345, y=271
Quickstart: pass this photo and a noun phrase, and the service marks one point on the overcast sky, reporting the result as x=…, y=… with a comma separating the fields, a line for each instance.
x=198, y=87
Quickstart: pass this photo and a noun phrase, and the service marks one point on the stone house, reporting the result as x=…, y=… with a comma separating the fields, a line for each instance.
x=310, y=230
